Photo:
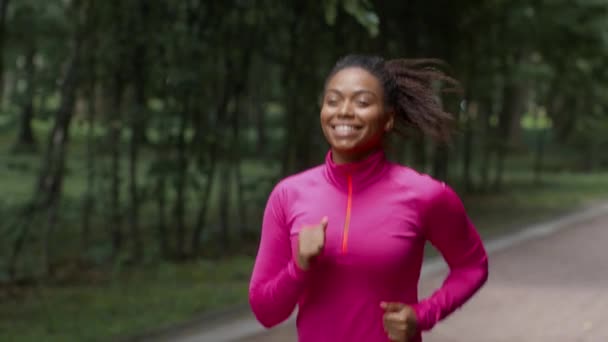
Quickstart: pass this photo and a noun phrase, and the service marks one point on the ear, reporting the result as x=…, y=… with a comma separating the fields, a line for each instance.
x=390, y=123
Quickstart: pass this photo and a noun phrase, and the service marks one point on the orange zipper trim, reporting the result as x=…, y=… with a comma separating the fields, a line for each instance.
x=349, y=203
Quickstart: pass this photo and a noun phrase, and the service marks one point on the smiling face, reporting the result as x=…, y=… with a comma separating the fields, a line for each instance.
x=354, y=117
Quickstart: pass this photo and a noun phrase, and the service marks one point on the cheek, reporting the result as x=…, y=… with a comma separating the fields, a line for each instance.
x=374, y=119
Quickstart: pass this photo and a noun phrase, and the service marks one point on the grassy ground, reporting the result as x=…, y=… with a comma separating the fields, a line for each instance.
x=104, y=306
x=96, y=304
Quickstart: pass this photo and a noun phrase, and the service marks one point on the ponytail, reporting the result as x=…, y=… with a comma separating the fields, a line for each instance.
x=410, y=89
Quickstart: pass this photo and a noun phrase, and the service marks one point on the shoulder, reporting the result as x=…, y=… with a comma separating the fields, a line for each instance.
x=432, y=195
x=423, y=185
x=298, y=181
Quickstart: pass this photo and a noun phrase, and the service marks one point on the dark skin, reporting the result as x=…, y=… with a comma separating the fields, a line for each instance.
x=355, y=120
x=354, y=117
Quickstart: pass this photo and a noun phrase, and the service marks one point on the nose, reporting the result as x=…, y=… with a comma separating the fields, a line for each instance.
x=346, y=110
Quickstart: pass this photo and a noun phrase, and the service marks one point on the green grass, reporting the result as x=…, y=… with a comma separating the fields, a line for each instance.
x=104, y=307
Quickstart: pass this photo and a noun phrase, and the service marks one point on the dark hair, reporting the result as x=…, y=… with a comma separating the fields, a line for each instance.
x=409, y=89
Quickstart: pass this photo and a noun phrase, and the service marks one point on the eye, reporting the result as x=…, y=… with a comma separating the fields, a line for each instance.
x=362, y=103
x=331, y=101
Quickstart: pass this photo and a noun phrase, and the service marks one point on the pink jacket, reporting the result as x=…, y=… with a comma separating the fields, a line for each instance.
x=380, y=216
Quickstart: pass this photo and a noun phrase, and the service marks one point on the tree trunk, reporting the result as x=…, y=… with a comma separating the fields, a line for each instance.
x=467, y=153
x=513, y=104
x=115, y=173
x=488, y=142
x=538, y=156
x=224, y=205
x=51, y=180
x=213, y=151
x=504, y=126
x=201, y=217
x=289, y=78
x=47, y=194
x=180, y=182
x=521, y=98
x=137, y=245
x=135, y=140
x=236, y=162
x=440, y=162
x=163, y=236
x=25, y=137
x=89, y=198
x=3, y=11
x=419, y=153
x=260, y=123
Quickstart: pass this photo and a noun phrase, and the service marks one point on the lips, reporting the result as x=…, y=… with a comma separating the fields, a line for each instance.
x=345, y=130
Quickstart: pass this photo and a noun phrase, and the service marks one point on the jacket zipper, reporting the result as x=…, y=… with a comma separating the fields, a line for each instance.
x=349, y=202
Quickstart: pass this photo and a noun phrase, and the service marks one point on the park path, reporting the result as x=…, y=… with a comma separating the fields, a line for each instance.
x=548, y=283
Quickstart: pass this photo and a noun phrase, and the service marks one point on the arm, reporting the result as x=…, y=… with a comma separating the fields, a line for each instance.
x=449, y=229
x=277, y=282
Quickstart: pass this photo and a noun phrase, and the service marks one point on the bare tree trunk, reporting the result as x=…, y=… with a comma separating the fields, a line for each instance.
x=467, y=153
x=3, y=11
x=419, y=153
x=25, y=137
x=260, y=124
x=135, y=140
x=47, y=194
x=180, y=183
x=238, y=174
x=513, y=101
x=115, y=174
x=538, y=156
x=440, y=162
x=89, y=198
x=290, y=99
x=137, y=247
x=51, y=179
x=488, y=141
x=201, y=217
x=224, y=205
x=161, y=200
x=515, y=131
x=470, y=114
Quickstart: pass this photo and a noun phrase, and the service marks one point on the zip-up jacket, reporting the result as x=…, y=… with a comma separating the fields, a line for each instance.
x=380, y=216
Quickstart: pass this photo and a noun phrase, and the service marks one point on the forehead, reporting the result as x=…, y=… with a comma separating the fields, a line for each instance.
x=354, y=79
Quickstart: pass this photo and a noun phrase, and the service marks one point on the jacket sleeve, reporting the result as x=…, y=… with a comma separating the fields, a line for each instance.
x=449, y=229
x=276, y=282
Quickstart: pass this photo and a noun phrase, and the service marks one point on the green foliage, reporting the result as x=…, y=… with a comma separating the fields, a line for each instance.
x=361, y=10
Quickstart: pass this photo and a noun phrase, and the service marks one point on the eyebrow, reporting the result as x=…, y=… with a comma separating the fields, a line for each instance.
x=362, y=91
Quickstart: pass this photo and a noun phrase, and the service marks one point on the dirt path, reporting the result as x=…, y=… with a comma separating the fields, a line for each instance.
x=549, y=290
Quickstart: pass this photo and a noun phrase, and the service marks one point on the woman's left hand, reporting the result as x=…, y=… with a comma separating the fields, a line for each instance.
x=399, y=320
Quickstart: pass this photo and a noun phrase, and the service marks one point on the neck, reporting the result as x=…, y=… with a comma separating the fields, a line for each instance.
x=346, y=158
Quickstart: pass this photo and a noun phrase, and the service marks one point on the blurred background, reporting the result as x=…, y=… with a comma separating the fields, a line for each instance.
x=140, y=139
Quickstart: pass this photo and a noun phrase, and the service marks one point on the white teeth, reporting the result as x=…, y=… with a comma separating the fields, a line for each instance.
x=345, y=128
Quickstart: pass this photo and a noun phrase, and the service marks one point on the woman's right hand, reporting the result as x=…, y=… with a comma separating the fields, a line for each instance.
x=310, y=243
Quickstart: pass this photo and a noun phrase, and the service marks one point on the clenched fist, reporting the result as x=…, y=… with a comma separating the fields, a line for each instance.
x=310, y=243
x=400, y=322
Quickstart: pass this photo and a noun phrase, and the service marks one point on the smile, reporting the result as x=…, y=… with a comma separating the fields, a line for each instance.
x=345, y=128
x=345, y=131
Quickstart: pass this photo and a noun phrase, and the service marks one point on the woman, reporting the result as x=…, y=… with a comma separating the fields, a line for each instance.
x=344, y=240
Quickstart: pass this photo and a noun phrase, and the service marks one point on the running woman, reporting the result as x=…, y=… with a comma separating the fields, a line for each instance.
x=344, y=241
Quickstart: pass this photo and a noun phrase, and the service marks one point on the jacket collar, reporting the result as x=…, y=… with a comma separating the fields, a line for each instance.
x=362, y=173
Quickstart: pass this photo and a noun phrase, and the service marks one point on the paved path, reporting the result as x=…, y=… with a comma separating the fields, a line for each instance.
x=549, y=283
